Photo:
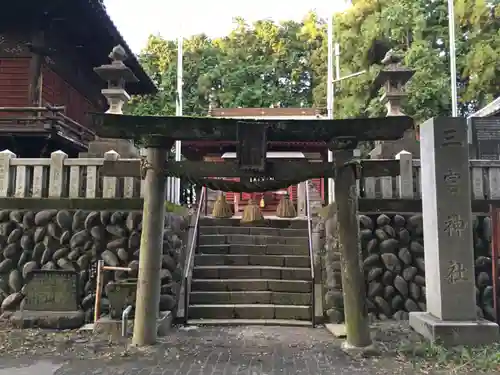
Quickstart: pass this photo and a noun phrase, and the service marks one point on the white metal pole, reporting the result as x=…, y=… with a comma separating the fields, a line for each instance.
x=453, y=59
x=178, y=110
x=337, y=62
x=331, y=85
x=329, y=90
x=180, y=53
x=330, y=100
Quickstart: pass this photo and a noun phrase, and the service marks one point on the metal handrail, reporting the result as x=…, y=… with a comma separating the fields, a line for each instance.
x=189, y=259
x=311, y=255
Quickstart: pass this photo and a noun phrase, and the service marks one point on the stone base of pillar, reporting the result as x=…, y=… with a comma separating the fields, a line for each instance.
x=452, y=333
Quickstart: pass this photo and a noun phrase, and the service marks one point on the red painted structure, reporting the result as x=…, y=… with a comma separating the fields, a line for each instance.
x=214, y=150
x=48, y=50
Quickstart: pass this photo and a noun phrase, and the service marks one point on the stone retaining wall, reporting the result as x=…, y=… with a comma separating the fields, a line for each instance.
x=393, y=261
x=75, y=240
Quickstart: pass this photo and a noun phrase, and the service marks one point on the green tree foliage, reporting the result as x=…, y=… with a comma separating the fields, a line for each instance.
x=267, y=63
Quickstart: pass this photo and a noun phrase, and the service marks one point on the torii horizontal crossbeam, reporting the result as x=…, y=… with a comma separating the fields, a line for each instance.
x=278, y=169
x=210, y=128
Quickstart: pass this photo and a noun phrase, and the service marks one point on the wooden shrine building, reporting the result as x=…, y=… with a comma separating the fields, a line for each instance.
x=220, y=151
x=484, y=132
x=48, y=50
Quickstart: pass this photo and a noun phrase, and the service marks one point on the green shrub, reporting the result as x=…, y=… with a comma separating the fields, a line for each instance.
x=175, y=208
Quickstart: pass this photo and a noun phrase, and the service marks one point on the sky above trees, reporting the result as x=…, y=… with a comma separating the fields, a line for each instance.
x=262, y=63
x=136, y=20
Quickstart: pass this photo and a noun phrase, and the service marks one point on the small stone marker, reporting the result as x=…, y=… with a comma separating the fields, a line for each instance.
x=120, y=295
x=52, y=300
x=337, y=330
x=52, y=290
x=451, y=315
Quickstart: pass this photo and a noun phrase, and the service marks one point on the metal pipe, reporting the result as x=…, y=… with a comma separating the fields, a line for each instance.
x=311, y=255
x=179, y=104
x=191, y=252
x=98, y=290
x=337, y=62
x=330, y=98
x=453, y=58
x=179, y=112
x=110, y=268
x=125, y=315
x=349, y=76
x=329, y=89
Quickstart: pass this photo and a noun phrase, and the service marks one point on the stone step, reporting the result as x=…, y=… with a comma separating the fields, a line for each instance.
x=259, y=231
x=249, y=297
x=241, y=249
x=247, y=239
x=235, y=285
x=251, y=272
x=252, y=260
x=249, y=322
x=298, y=223
x=245, y=311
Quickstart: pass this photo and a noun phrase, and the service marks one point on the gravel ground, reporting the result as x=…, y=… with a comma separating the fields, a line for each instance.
x=210, y=351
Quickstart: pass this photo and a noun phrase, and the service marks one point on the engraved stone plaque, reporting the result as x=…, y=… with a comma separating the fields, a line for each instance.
x=486, y=137
x=252, y=146
x=52, y=290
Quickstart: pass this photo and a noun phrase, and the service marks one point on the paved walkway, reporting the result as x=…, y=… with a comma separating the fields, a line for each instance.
x=220, y=351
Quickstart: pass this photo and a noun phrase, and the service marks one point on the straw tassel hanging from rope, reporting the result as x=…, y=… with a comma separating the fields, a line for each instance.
x=252, y=213
x=286, y=209
x=222, y=209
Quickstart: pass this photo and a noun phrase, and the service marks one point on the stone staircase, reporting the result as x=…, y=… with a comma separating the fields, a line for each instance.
x=251, y=274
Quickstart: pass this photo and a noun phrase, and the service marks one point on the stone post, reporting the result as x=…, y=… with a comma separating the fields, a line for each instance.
x=301, y=198
x=116, y=74
x=451, y=316
x=153, y=223
x=353, y=280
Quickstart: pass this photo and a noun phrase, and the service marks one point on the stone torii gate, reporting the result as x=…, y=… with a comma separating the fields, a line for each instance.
x=158, y=133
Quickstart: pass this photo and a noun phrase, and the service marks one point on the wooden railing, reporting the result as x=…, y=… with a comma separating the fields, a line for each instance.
x=63, y=177
x=485, y=180
x=52, y=118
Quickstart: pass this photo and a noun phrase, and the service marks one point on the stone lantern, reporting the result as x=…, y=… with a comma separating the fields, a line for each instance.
x=117, y=75
x=393, y=78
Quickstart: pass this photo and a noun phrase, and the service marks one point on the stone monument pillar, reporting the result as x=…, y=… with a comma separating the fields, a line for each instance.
x=393, y=78
x=451, y=316
x=301, y=198
x=117, y=74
